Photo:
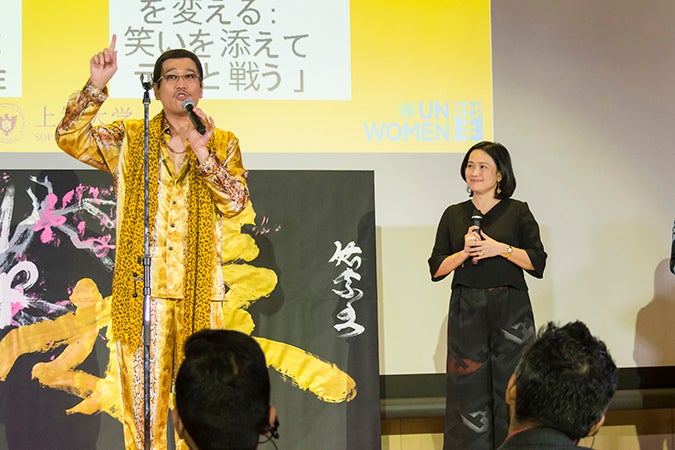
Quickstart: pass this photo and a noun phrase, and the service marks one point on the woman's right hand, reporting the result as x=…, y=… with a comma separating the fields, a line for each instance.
x=103, y=65
x=471, y=241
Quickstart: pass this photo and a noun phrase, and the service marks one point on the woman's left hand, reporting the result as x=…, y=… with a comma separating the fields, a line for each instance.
x=486, y=248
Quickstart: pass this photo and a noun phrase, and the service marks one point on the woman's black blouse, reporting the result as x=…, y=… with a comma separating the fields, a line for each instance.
x=509, y=221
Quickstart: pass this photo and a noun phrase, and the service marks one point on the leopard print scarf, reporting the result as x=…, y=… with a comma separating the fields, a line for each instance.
x=127, y=306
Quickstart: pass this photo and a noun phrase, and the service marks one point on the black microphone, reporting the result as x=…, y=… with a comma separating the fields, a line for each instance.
x=189, y=106
x=476, y=218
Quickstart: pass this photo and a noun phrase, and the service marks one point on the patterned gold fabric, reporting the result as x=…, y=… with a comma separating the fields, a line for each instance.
x=215, y=190
x=167, y=322
x=127, y=315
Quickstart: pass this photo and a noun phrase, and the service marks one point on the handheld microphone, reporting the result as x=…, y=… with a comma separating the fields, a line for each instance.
x=188, y=107
x=476, y=218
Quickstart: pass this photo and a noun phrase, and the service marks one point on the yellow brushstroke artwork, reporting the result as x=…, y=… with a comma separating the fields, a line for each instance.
x=79, y=330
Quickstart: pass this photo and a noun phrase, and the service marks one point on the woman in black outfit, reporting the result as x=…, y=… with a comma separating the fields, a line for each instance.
x=490, y=317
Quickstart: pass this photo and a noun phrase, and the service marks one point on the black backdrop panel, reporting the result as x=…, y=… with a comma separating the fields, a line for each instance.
x=314, y=229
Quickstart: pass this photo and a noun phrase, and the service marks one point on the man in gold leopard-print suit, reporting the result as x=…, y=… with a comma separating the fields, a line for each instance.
x=196, y=181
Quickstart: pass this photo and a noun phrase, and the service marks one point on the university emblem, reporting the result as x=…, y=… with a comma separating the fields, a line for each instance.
x=12, y=123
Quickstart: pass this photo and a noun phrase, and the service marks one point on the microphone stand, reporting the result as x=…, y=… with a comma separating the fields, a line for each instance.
x=147, y=84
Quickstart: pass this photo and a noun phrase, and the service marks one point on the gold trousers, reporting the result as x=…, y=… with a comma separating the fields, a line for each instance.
x=166, y=321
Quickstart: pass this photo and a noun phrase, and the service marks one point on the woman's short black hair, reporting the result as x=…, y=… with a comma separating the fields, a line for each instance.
x=502, y=159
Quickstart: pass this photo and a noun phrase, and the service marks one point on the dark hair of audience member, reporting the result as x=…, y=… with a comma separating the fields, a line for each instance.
x=223, y=390
x=565, y=380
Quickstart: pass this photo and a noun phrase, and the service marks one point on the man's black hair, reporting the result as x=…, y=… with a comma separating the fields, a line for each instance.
x=223, y=390
x=565, y=380
x=177, y=53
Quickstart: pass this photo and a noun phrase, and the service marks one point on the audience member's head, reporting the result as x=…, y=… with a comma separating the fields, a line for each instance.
x=564, y=380
x=223, y=392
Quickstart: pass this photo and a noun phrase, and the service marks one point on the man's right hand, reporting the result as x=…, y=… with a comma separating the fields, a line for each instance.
x=103, y=65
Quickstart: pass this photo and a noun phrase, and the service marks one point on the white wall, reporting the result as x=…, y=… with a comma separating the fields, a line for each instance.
x=585, y=101
x=585, y=98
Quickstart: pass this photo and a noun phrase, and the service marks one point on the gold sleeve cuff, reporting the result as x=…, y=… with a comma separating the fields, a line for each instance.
x=95, y=93
x=208, y=166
